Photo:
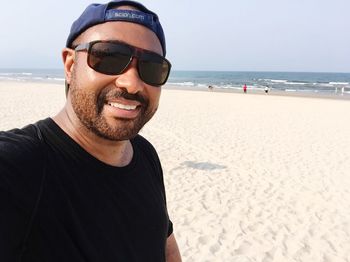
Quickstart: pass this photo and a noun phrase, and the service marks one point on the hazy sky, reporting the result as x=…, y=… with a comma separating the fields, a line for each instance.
x=233, y=35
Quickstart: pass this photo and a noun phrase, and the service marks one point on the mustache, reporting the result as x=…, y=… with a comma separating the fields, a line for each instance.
x=124, y=94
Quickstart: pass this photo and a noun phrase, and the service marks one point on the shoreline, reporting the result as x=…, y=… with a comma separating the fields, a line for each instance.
x=261, y=92
x=235, y=90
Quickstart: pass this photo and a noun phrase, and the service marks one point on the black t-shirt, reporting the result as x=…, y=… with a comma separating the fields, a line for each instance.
x=84, y=209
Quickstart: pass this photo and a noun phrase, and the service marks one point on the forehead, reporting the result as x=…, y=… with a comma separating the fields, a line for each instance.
x=128, y=32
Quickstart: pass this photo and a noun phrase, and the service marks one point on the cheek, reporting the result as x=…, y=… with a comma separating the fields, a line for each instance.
x=82, y=72
x=154, y=95
x=85, y=73
x=88, y=78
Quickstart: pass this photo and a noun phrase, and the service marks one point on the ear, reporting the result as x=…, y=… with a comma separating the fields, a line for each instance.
x=68, y=63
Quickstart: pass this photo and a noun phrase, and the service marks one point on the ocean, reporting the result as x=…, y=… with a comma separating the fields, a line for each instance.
x=323, y=83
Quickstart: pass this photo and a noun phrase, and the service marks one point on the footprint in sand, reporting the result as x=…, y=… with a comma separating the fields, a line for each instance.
x=204, y=240
x=215, y=248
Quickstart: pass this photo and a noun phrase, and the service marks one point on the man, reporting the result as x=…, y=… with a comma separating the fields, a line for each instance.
x=83, y=186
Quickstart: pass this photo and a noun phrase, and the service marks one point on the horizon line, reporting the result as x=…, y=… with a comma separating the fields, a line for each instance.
x=195, y=70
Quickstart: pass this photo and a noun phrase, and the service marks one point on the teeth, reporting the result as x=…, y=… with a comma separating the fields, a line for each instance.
x=121, y=106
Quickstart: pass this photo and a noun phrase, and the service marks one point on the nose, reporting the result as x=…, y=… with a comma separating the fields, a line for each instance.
x=130, y=79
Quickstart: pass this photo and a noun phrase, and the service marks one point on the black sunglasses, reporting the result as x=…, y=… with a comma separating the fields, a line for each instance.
x=113, y=57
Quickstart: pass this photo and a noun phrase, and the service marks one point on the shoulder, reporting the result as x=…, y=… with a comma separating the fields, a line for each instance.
x=147, y=151
x=143, y=144
x=18, y=143
x=21, y=160
x=138, y=139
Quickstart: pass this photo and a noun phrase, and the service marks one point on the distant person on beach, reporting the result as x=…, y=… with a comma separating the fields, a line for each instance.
x=83, y=185
x=266, y=89
x=245, y=88
x=210, y=88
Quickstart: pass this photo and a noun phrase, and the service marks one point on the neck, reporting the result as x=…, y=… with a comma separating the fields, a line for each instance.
x=114, y=153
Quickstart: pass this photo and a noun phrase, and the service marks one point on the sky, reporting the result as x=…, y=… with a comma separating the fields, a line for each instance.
x=226, y=35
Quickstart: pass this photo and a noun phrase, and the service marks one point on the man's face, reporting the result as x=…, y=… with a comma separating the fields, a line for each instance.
x=114, y=107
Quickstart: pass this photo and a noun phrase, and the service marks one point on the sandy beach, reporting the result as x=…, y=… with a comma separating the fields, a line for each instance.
x=249, y=177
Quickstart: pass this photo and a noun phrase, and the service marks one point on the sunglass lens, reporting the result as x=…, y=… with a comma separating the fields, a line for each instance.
x=153, y=69
x=109, y=58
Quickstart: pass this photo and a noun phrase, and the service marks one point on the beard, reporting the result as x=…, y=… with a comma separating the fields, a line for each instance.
x=88, y=106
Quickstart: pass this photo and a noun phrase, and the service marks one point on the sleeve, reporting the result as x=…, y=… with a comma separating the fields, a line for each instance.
x=19, y=182
x=153, y=157
x=161, y=179
x=170, y=228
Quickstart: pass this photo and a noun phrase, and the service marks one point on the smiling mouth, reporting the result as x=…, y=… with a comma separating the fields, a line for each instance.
x=122, y=106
